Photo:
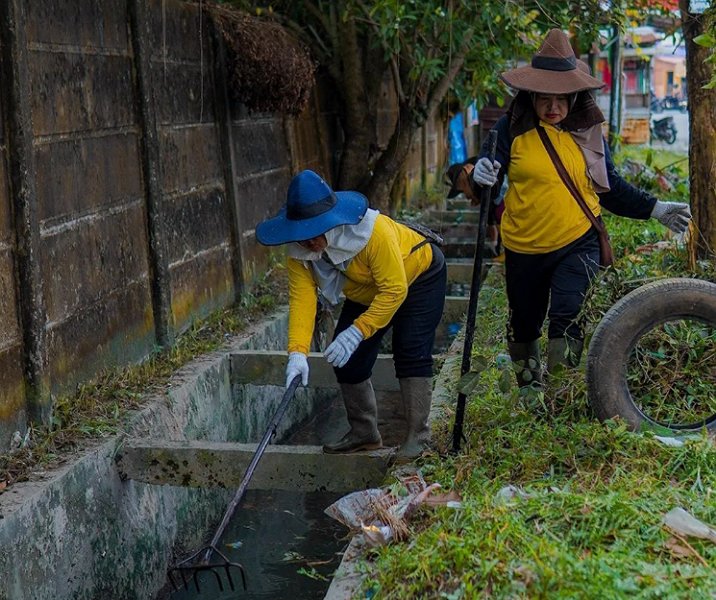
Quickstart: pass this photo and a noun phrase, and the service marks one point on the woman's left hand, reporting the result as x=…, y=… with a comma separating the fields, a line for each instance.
x=345, y=344
x=674, y=215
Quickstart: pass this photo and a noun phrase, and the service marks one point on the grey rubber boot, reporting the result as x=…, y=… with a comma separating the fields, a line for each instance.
x=362, y=410
x=417, y=395
x=526, y=362
x=563, y=352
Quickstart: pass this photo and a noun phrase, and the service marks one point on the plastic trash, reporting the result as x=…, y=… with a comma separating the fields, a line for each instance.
x=683, y=522
x=669, y=441
x=377, y=535
x=453, y=329
x=382, y=514
x=503, y=360
x=510, y=492
x=355, y=508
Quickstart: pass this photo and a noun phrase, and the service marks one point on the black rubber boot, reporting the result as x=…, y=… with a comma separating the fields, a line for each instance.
x=563, y=352
x=417, y=394
x=362, y=411
x=526, y=363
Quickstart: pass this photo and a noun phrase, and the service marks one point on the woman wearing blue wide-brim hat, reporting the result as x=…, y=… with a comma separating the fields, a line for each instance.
x=387, y=275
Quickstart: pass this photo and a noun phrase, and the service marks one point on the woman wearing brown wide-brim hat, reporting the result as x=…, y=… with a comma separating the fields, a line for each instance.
x=551, y=237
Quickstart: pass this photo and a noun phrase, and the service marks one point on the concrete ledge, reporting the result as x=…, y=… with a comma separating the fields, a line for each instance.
x=268, y=367
x=459, y=202
x=348, y=577
x=464, y=248
x=293, y=468
x=455, y=309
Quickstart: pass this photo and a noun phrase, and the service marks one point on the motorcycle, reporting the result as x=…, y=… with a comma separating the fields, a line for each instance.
x=656, y=105
x=663, y=129
x=674, y=103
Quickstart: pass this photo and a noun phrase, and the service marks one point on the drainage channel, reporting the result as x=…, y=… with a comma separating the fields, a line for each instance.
x=279, y=534
x=285, y=543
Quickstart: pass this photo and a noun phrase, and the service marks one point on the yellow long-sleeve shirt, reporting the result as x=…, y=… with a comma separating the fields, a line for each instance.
x=540, y=213
x=378, y=277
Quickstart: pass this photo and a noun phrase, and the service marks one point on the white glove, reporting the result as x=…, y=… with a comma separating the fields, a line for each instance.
x=297, y=365
x=674, y=215
x=485, y=173
x=343, y=346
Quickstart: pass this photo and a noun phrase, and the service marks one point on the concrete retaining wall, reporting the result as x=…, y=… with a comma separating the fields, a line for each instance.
x=83, y=534
x=130, y=186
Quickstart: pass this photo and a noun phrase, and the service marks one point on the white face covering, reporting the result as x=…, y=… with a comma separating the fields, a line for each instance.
x=295, y=250
x=344, y=242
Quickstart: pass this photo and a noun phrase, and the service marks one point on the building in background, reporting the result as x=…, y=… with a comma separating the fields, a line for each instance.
x=651, y=67
x=668, y=74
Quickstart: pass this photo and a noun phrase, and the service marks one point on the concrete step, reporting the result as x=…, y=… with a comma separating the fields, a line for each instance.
x=465, y=249
x=454, y=216
x=268, y=367
x=223, y=464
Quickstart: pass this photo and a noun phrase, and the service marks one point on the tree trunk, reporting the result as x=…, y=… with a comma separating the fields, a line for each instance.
x=702, y=136
x=390, y=162
x=356, y=121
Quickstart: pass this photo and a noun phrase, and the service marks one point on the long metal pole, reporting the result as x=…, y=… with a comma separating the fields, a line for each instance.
x=615, y=104
x=273, y=425
x=474, y=294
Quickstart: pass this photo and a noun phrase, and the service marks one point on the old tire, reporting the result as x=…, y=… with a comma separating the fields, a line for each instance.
x=619, y=332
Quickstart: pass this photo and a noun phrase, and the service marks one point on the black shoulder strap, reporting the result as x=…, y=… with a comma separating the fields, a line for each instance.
x=566, y=179
x=419, y=245
x=431, y=237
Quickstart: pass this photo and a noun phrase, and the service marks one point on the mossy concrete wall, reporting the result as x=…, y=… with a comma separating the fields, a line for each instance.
x=130, y=186
x=83, y=534
x=131, y=182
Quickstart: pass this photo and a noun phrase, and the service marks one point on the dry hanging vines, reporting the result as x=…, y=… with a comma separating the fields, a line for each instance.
x=269, y=70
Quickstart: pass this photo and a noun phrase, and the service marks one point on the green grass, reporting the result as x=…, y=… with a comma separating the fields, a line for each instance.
x=672, y=373
x=590, y=522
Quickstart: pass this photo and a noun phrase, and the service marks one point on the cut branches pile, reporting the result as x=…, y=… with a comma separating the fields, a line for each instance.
x=269, y=69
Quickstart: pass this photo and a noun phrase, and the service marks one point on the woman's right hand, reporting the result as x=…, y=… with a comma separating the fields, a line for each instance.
x=297, y=365
x=485, y=172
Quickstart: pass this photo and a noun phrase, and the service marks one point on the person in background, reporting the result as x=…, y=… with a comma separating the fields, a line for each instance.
x=552, y=250
x=459, y=178
x=456, y=134
x=389, y=275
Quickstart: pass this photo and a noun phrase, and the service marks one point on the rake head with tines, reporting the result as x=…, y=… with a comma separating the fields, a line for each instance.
x=189, y=570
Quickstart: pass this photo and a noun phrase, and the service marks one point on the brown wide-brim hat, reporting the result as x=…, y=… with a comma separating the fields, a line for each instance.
x=554, y=69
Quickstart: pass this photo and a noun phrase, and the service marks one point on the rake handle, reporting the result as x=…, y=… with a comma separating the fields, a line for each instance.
x=474, y=294
x=270, y=431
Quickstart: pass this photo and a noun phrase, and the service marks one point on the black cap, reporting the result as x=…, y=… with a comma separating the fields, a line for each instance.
x=452, y=174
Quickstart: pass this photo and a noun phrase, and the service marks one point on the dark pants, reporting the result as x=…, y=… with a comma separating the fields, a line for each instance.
x=556, y=280
x=413, y=326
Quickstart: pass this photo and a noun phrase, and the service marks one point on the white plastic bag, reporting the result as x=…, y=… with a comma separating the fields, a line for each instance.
x=683, y=522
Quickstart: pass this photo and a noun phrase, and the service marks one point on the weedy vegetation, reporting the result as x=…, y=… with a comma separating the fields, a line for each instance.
x=584, y=518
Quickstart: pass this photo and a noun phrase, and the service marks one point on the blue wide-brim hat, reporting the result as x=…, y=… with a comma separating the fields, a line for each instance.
x=312, y=208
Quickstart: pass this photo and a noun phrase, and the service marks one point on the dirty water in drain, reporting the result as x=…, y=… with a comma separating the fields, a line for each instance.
x=288, y=547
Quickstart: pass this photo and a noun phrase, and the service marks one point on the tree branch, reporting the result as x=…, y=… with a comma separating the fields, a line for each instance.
x=438, y=92
x=393, y=64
